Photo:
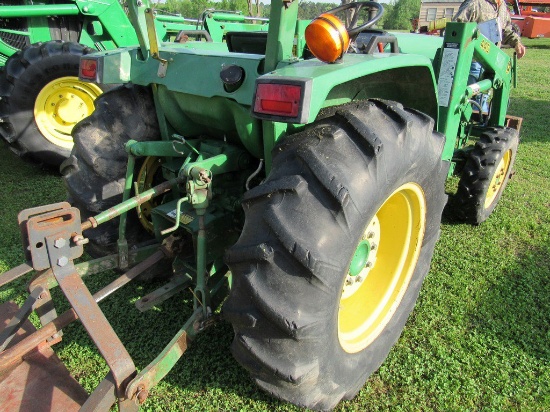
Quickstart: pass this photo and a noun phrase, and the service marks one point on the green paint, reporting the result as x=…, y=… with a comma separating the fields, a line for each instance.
x=105, y=24
x=39, y=10
x=470, y=44
x=360, y=258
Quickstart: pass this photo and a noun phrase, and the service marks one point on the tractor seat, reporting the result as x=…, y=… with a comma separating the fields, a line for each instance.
x=254, y=42
x=371, y=40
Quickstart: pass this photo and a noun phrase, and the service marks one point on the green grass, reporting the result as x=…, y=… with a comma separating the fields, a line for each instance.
x=478, y=339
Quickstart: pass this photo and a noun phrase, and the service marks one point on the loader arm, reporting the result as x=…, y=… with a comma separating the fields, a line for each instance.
x=463, y=43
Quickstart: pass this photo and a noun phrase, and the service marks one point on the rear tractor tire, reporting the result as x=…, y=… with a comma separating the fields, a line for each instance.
x=95, y=172
x=335, y=246
x=485, y=175
x=42, y=99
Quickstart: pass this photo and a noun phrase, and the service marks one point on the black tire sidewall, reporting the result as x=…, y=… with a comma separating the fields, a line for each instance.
x=94, y=174
x=356, y=367
x=23, y=98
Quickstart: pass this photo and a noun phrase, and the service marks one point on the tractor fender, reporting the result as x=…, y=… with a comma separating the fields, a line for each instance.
x=407, y=78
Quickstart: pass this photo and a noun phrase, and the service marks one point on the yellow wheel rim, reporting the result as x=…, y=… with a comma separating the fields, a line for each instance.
x=498, y=178
x=145, y=181
x=371, y=296
x=61, y=104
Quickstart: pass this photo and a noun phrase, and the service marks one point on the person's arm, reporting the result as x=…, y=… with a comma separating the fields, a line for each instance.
x=509, y=36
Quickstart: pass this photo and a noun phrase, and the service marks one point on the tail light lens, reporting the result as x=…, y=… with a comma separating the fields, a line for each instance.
x=282, y=100
x=278, y=99
x=88, y=69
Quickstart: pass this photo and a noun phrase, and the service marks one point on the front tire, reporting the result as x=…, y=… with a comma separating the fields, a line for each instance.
x=486, y=174
x=42, y=99
x=358, y=195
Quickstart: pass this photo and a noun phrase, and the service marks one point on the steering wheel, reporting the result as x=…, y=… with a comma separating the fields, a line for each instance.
x=357, y=6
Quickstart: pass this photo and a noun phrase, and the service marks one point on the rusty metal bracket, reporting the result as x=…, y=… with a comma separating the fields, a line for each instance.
x=42, y=337
x=40, y=222
x=105, y=395
x=14, y=273
x=91, y=316
x=44, y=306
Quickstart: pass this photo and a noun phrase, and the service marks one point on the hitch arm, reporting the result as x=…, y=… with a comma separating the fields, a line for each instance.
x=131, y=203
x=139, y=388
x=15, y=353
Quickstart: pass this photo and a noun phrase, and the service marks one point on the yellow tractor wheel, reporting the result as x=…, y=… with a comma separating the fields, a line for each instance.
x=41, y=100
x=60, y=105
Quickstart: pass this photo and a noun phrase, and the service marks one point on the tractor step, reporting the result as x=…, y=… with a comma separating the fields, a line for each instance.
x=41, y=382
x=514, y=122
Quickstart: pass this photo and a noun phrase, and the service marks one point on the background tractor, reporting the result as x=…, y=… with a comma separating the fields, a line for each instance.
x=40, y=48
x=339, y=163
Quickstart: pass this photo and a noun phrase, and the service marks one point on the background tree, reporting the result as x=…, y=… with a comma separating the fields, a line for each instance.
x=401, y=14
x=233, y=5
x=387, y=11
x=309, y=10
x=254, y=8
x=187, y=8
x=193, y=8
x=257, y=8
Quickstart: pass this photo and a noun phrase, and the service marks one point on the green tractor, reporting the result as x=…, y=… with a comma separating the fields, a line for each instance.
x=305, y=193
x=40, y=48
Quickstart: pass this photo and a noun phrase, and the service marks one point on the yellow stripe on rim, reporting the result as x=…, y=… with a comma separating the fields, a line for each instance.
x=498, y=178
x=370, y=298
x=61, y=104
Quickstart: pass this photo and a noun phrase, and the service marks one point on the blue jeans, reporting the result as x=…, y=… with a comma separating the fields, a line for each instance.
x=476, y=70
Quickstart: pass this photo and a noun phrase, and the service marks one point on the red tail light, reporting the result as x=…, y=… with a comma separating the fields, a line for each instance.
x=282, y=99
x=278, y=99
x=88, y=69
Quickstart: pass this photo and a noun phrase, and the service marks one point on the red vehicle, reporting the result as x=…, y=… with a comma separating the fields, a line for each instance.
x=530, y=20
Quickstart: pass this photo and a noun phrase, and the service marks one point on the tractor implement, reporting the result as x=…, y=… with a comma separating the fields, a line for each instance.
x=296, y=175
x=54, y=239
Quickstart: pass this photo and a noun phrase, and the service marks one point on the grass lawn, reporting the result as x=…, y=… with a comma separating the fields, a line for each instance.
x=479, y=337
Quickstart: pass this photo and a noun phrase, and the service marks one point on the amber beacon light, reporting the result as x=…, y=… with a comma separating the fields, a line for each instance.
x=327, y=38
